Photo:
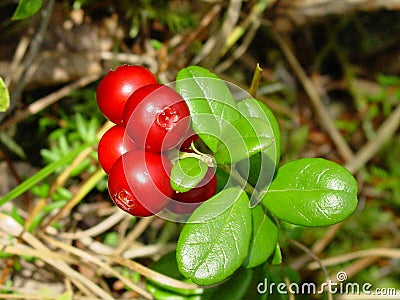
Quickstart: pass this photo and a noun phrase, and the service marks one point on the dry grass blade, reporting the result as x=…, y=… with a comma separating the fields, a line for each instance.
x=325, y=121
x=375, y=252
x=96, y=230
x=28, y=296
x=355, y=267
x=95, y=246
x=149, y=273
x=86, y=256
x=130, y=58
x=206, y=20
x=134, y=234
x=149, y=250
x=20, y=249
x=385, y=131
x=240, y=50
x=212, y=50
x=15, y=70
x=11, y=227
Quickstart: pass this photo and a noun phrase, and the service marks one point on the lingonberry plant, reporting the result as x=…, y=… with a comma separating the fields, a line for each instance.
x=244, y=139
x=219, y=175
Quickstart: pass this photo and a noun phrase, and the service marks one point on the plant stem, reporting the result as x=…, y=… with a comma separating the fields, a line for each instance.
x=248, y=188
x=255, y=81
x=208, y=159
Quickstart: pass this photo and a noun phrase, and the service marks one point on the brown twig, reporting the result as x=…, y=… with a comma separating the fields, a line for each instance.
x=212, y=50
x=325, y=120
x=15, y=67
x=374, y=252
x=98, y=229
x=240, y=50
x=319, y=245
x=134, y=234
x=252, y=20
x=312, y=255
x=48, y=100
x=205, y=21
x=385, y=131
x=32, y=53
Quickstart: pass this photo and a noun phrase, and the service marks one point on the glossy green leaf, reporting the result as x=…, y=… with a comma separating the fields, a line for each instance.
x=263, y=240
x=4, y=96
x=312, y=192
x=259, y=169
x=276, y=257
x=242, y=139
x=254, y=108
x=212, y=246
x=187, y=173
x=210, y=102
x=26, y=9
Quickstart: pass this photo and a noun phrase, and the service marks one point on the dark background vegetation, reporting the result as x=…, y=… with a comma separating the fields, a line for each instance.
x=331, y=75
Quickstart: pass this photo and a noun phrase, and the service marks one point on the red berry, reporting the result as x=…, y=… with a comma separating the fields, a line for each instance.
x=139, y=182
x=191, y=137
x=188, y=201
x=117, y=85
x=112, y=145
x=156, y=117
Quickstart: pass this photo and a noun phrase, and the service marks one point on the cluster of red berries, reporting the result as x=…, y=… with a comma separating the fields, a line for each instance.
x=150, y=120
